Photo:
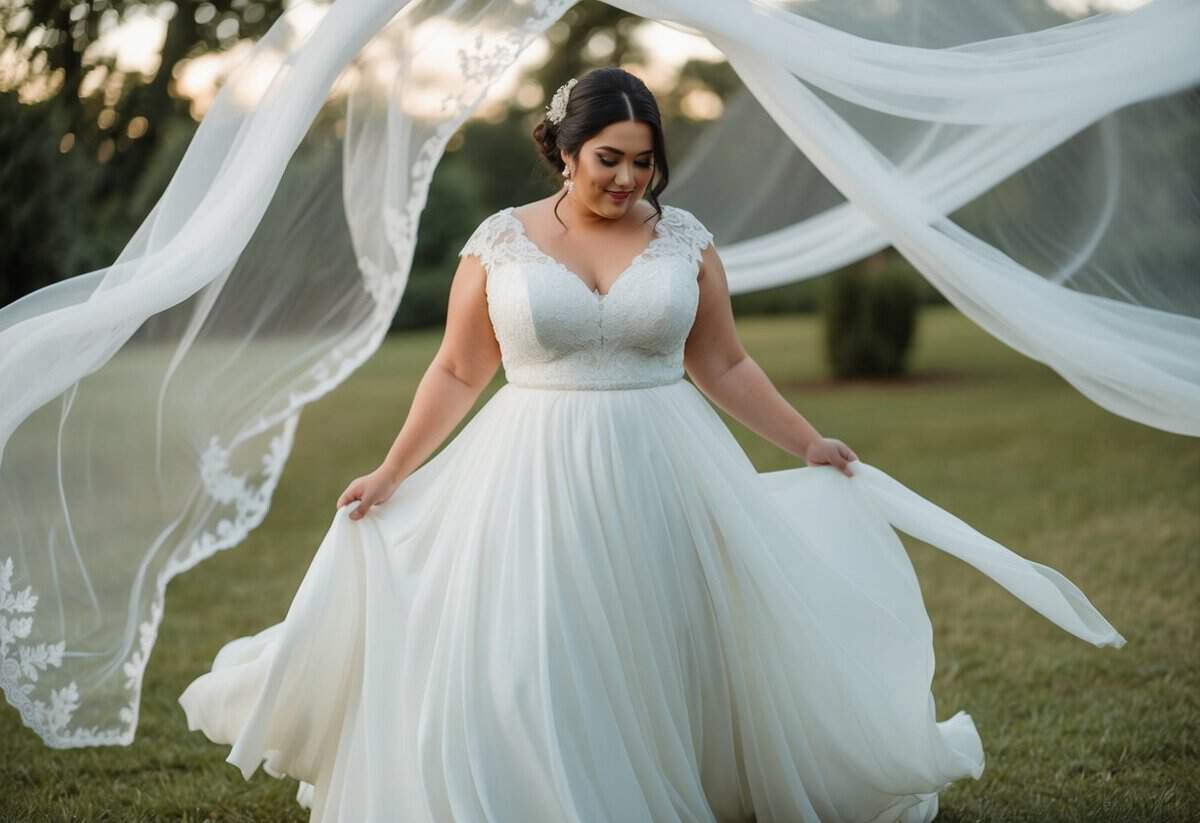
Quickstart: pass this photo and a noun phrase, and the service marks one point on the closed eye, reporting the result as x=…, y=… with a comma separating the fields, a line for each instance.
x=645, y=164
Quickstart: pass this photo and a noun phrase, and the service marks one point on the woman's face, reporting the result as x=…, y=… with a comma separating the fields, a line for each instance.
x=617, y=160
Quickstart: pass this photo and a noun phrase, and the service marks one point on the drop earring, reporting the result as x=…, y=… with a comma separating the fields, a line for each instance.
x=570, y=184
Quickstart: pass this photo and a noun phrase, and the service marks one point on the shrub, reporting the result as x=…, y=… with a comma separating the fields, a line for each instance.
x=870, y=320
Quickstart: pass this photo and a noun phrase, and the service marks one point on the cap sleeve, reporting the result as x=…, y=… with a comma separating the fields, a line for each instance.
x=694, y=236
x=485, y=240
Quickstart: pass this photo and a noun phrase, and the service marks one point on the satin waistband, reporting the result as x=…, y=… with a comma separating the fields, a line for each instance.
x=598, y=386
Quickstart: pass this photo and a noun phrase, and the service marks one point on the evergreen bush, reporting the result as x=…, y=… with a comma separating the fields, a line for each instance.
x=870, y=320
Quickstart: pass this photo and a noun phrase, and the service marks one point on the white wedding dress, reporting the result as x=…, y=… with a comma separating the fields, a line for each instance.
x=590, y=607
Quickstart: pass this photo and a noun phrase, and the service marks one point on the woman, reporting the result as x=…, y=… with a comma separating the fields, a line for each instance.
x=590, y=606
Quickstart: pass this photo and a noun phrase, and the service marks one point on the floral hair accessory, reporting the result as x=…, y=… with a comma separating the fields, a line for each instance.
x=558, y=103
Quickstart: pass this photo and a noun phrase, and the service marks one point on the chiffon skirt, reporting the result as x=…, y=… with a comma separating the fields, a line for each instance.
x=590, y=606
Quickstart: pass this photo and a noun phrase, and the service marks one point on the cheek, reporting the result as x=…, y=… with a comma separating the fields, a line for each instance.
x=598, y=172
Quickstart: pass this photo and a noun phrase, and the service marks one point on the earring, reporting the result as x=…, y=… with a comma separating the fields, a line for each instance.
x=570, y=184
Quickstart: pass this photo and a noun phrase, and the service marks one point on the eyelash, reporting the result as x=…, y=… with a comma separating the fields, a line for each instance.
x=645, y=164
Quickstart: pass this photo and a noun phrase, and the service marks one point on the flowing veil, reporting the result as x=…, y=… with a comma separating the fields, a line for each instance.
x=1040, y=173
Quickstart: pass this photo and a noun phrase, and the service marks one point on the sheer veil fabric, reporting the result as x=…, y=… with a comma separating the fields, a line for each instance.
x=1038, y=173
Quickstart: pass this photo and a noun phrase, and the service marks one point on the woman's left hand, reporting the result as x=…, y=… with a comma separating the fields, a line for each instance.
x=829, y=451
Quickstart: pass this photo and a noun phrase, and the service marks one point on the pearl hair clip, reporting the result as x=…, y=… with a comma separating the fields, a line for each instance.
x=558, y=103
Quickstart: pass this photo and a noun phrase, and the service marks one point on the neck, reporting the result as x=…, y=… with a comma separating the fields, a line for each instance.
x=575, y=212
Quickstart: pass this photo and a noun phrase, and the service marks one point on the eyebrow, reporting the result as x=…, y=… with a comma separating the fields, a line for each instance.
x=618, y=151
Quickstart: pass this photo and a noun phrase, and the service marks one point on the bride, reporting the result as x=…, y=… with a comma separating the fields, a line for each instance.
x=590, y=606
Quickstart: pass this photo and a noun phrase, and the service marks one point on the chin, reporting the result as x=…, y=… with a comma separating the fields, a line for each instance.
x=611, y=205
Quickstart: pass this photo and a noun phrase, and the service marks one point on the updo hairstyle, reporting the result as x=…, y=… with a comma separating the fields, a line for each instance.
x=601, y=97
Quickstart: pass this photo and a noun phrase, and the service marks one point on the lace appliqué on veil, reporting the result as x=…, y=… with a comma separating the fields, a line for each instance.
x=237, y=506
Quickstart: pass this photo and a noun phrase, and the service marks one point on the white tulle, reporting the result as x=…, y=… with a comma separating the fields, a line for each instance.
x=647, y=631
x=590, y=606
x=1040, y=173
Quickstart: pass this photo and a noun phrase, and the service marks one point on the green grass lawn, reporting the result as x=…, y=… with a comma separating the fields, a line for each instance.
x=1071, y=732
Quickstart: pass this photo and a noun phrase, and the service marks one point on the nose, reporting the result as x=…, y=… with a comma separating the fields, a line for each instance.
x=624, y=176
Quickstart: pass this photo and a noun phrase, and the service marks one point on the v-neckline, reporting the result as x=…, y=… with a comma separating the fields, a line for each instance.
x=567, y=270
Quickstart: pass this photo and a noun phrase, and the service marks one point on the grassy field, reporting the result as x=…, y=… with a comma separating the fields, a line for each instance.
x=1071, y=732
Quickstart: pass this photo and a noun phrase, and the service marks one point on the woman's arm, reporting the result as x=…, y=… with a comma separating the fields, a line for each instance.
x=733, y=380
x=464, y=364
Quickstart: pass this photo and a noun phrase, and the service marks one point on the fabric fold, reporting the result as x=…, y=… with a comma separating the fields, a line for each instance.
x=591, y=606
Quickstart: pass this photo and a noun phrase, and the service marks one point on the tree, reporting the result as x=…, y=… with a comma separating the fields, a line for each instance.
x=78, y=132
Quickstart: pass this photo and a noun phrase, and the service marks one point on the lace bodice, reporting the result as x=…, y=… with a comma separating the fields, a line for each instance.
x=555, y=332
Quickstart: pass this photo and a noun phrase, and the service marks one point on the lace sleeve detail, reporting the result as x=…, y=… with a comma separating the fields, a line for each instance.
x=495, y=240
x=692, y=236
x=485, y=241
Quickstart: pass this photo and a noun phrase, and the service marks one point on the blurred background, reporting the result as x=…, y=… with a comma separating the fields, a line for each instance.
x=100, y=98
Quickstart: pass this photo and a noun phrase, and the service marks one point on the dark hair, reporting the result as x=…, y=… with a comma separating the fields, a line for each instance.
x=599, y=98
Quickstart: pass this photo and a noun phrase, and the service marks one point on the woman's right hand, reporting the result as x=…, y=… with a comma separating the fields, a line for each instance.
x=370, y=490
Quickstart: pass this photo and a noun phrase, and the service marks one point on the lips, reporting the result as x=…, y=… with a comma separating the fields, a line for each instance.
x=619, y=196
